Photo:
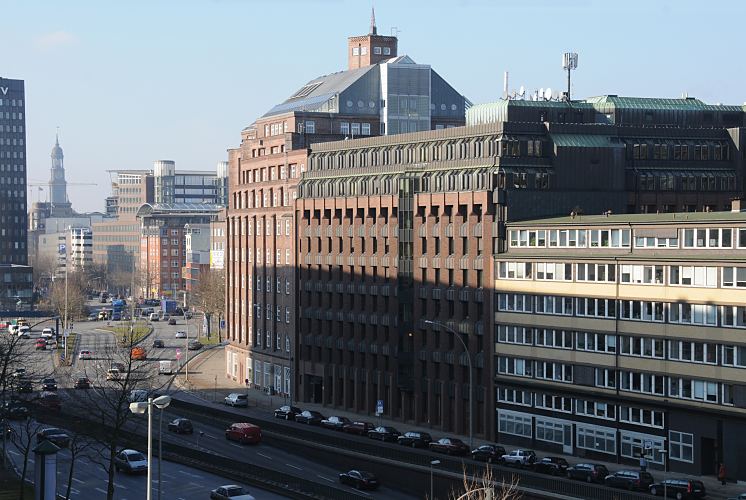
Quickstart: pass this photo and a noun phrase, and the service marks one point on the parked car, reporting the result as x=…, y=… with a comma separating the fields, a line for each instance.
x=310, y=417
x=384, y=433
x=172, y=321
x=590, y=473
x=359, y=479
x=680, y=489
x=25, y=386
x=335, y=423
x=490, y=453
x=49, y=384
x=82, y=383
x=230, y=492
x=556, y=466
x=138, y=354
x=180, y=335
x=450, y=446
x=287, y=412
x=630, y=480
x=358, y=427
x=47, y=333
x=181, y=426
x=415, y=439
x=158, y=344
x=236, y=399
x=113, y=374
x=49, y=401
x=194, y=345
x=522, y=458
x=53, y=435
x=131, y=462
x=41, y=345
x=85, y=354
x=243, y=433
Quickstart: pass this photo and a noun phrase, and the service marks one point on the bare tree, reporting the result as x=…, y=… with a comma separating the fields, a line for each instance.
x=209, y=295
x=23, y=437
x=76, y=296
x=79, y=445
x=114, y=376
x=486, y=487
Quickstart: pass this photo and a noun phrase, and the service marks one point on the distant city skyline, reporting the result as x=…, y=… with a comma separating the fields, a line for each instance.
x=131, y=84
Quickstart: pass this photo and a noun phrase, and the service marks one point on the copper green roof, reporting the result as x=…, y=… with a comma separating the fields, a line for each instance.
x=585, y=141
x=656, y=103
x=618, y=219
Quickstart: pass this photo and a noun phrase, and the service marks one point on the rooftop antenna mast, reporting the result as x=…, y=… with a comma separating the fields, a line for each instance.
x=569, y=63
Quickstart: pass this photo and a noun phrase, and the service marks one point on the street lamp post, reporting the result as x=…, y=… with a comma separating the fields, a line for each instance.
x=665, y=463
x=432, y=463
x=141, y=407
x=471, y=375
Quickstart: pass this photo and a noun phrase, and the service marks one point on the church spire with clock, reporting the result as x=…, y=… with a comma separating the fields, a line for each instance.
x=60, y=206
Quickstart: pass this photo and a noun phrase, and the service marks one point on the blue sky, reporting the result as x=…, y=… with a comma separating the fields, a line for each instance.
x=133, y=81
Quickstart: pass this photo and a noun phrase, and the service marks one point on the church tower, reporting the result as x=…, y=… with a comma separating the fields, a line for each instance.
x=60, y=206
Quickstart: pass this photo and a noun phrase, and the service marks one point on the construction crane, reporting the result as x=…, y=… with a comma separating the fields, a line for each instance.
x=41, y=185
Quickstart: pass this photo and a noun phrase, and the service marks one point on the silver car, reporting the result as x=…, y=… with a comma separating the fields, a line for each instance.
x=236, y=399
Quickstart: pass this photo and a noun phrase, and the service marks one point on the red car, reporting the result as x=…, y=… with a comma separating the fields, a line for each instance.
x=359, y=428
x=244, y=433
x=41, y=345
x=451, y=446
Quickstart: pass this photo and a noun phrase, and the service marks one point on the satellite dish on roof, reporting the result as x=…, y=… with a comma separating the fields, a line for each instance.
x=522, y=91
x=541, y=93
x=548, y=94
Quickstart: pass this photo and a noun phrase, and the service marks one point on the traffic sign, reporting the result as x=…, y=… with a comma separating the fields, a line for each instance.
x=178, y=354
x=379, y=407
x=222, y=324
x=648, y=444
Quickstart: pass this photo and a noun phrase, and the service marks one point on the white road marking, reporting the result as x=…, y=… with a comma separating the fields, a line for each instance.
x=324, y=478
x=164, y=474
x=293, y=466
x=78, y=480
x=100, y=490
x=263, y=455
x=14, y=453
x=118, y=486
x=196, y=476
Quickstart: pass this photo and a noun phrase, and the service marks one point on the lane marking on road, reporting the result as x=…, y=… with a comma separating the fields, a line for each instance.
x=118, y=486
x=13, y=452
x=100, y=490
x=293, y=466
x=196, y=476
x=324, y=478
x=165, y=474
x=263, y=455
x=78, y=480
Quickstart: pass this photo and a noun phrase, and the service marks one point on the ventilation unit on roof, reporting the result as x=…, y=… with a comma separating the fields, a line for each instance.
x=306, y=90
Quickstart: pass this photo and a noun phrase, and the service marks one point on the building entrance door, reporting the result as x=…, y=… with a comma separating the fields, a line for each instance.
x=708, y=457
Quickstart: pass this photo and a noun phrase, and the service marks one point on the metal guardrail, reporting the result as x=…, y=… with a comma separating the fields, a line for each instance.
x=373, y=449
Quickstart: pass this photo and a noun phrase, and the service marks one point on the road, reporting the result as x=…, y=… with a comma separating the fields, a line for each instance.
x=90, y=480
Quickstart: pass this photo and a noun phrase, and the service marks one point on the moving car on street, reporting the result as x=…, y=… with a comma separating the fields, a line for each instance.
x=359, y=479
x=181, y=426
x=85, y=354
x=171, y=321
x=47, y=333
x=180, y=334
x=244, y=433
x=194, y=345
x=158, y=344
x=131, y=462
x=41, y=345
x=49, y=384
x=53, y=435
x=82, y=383
x=230, y=492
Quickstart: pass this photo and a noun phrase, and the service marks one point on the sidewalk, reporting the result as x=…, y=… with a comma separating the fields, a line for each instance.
x=207, y=380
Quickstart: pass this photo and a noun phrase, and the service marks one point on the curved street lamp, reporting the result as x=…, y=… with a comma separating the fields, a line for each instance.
x=471, y=373
x=139, y=408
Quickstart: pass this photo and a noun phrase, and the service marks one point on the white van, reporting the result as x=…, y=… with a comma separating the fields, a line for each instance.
x=154, y=317
x=47, y=333
x=165, y=367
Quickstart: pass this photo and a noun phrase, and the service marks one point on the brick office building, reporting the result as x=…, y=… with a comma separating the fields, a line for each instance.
x=380, y=93
x=393, y=231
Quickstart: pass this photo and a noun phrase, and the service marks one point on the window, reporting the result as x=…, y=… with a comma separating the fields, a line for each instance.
x=641, y=416
x=698, y=390
x=605, y=377
x=387, y=51
x=561, y=339
x=694, y=314
x=552, y=431
x=734, y=277
x=639, y=274
x=681, y=446
x=641, y=310
x=552, y=402
x=694, y=276
x=645, y=383
x=355, y=51
x=605, y=273
x=708, y=238
x=632, y=443
x=509, y=334
x=656, y=242
x=644, y=347
x=377, y=51
x=365, y=130
x=551, y=304
x=515, y=270
x=553, y=271
x=599, y=308
x=516, y=302
x=344, y=128
x=600, y=439
x=514, y=396
x=613, y=238
x=598, y=342
x=514, y=366
x=559, y=372
x=692, y=352
x=733, y=355
x=595, y=409
x=516, y=424
x=734, y=316
x=310, y=127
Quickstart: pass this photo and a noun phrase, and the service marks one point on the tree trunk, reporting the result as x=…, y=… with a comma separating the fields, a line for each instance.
x=110, y=486
x=23, y=474
x=70, y=475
